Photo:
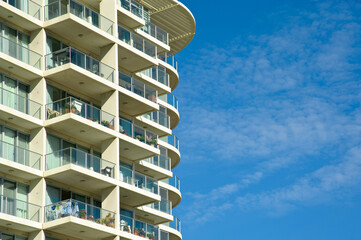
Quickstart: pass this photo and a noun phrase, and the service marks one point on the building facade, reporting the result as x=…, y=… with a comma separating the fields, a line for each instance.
x=86, y=118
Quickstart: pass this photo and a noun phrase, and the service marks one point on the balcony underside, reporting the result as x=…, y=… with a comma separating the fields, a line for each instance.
x=152, y=170
x=174, y=195
x=81, y=178
x=134, y=150
x=134, y=197
x=16, y=169
x=128, y=19
x=82, y=32
x=175, y=19
x=21, y=224
x=85, y=82
x=135, y=105
x=173, y=153
x=18, y=118
x=133, y=60
x=154, y=216
x=152, y=126
x=80, y=128
x=19, y=68
x=173, y=234
x=174, y=116
x=19, y=17
x=81, y=228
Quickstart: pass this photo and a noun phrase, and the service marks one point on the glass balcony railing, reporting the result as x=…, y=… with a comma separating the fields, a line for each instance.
x=170, y=59
x=155, y=32
x=20, y=155
x=139, y=228
x=160, y=161
x=71, y=55
x=27, y=6
x=139, y=180
x=158, y=73
x=176, y=224
x=20, y=52
x=20, y=103
x=173, y=181
x=158, y=117
x=137, y=42
x=19, y=208
x=61, y=7
x=135, y=8
x=81, y=210
x=80, y=108
x=83, y=159
x=126, y=127
x=137, y=87
x=172, y=140
x=170, y=99
x=164, y=206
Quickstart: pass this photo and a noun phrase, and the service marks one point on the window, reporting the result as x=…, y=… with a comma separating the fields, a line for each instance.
x=14, y=145
x=15, y=43
x=14, y=198
x=14, y=94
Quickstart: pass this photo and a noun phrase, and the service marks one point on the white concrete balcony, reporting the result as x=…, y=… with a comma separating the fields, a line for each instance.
x=135, y=142
x=77, y=70
x=132, y=228
x=171, y=142
x=19, y=60
x=20, y=110
x=173, y=228
x=157, y=213
x=134, y=52
x=136, y=98
x=20, y=215
x=131, y=13
x=173, y=186
x=137, y=189
x=161, y=77
x=27, y=15
x=157, y=167
x=157, y=122
x=88, y=28
x=80, y=120
x=17, y=161
x=87, y=221
x=171, y=64
x=171, y=103
x=156, y=35
x=80, y=169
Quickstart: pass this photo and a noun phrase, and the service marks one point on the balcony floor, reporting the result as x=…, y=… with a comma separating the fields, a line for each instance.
x=80, y=128
x=16, y=169
x=134, y=150
x=134, y=197
x=21, y=224
x=154, y=216
x=81, y=178
x=85, y=82
x=84, y=229
x=83, y=33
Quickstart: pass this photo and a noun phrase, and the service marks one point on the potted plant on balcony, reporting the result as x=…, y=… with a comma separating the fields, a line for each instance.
x=141, y=233
x=151, y=236
x=67, y=107
x=82, y=213
x=108, y=220
x=96, y=120
x=105, y=123
x=153, y=142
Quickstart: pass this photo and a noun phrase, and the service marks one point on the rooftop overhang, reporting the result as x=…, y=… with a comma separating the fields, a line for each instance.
x=175, y=18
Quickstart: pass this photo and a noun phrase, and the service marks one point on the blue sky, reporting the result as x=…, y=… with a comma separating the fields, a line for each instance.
x=270, y=125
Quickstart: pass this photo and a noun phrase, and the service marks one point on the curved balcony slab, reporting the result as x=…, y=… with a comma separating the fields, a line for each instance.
x=174, y=194
x=152, y=215
x=80, y=128
x=176, y=19
x=152, y=170
x=27, y=20
x=173, y=152
x=173, y=233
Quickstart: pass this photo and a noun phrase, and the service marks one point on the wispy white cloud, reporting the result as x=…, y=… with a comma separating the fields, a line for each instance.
x=275, y=101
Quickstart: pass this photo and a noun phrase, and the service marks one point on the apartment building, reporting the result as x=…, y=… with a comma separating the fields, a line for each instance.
x=87, y=116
